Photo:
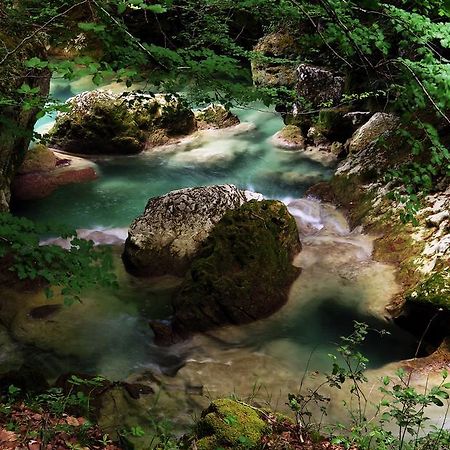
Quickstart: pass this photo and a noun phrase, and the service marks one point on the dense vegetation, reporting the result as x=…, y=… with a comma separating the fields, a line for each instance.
x=393, y=56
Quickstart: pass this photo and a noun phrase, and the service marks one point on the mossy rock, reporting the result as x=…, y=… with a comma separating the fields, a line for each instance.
x=229, y=424
x=101, y=122
x=435, y=290
x=38, y=159
x=333, y=124
x=243, y=272
x=279, y=44
x=216, y=116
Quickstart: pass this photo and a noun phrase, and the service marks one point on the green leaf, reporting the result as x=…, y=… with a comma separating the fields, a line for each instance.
x=121, y=7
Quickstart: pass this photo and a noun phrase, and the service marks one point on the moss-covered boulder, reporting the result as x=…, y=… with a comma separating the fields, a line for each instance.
x=434, y=290
x=230, y=425
x=289, y=138
x=215, y=117
x=168, y=235
x=243, y=272
x=101, y=122
x=266, y=71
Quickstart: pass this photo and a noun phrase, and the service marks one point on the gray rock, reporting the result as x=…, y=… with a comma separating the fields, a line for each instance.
x=380, y=124
x=358, y=118
x=318, y=85
x=167, y=236
x=436, y=219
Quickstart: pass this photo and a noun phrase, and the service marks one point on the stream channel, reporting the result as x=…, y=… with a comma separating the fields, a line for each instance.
x=108, y=333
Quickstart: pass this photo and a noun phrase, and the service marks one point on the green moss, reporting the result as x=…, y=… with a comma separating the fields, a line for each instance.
x=291, y=132
x=229, y=424
x=216, y=116
x=434, y=290
x=252, y=243
x=101, y=123
x=332, y=124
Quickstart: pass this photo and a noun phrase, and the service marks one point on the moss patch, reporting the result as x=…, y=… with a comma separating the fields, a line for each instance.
x=229, y=424
x=244, y=270
x=434, y=290
x=216, y=116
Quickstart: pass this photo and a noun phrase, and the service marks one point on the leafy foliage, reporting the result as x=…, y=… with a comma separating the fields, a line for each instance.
x=401, y=405
x=68, y=271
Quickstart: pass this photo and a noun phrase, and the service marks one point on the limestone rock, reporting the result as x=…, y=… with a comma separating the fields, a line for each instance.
x=43, y=171
x=102, y=122
x=278, y=44
x=167, y=236
x=358, y=118
x=215, y=116
x=289, y=138
x=436, y=219
x=380, y=124
x=318, y=85
x=243, y=271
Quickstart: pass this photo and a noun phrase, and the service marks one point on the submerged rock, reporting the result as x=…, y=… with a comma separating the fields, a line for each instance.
x=243, y=271
x=43, y=171
x=101, y=122
x=226, y=424
x=167, y=236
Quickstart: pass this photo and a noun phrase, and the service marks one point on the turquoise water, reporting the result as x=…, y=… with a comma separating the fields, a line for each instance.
x=125, y=184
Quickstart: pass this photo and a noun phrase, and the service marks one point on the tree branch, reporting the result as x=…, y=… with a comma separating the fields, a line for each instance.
x=42, y=27
x=124, y=29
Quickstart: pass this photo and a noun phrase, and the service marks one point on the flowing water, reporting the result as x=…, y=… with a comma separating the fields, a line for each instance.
x=108, y=333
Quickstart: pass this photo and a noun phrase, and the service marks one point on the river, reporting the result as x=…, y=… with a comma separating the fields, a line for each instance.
x=108, y=333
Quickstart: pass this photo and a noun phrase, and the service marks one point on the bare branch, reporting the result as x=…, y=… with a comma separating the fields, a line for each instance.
x=39, y=29
x=124, y=29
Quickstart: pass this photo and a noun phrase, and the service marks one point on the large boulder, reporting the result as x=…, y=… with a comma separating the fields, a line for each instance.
x=243, y=272
x=102, y=122
x=280, y=44
x=379, y=125
x=167, y=236
x=318, y=86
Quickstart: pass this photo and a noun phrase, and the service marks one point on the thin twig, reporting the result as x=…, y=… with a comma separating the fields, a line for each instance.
x=133, y=38
x=316, y=26
x=46, y=24
x=424, y=89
